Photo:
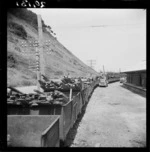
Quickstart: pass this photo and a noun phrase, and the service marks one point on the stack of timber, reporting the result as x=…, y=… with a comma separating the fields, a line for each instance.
x=63, y=86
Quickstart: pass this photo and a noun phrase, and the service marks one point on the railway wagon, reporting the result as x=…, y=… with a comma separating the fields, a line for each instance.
x=111, y=80
x=32, y=131
x=67, y=113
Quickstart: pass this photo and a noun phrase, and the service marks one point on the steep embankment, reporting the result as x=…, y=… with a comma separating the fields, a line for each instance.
x=22, y=26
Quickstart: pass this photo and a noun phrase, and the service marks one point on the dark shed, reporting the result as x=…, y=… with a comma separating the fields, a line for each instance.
x=137, y=75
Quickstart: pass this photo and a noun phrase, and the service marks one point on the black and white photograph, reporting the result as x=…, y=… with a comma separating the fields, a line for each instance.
x=76, y=77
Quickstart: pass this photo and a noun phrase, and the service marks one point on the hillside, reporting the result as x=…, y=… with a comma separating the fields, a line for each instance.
x=22, y=26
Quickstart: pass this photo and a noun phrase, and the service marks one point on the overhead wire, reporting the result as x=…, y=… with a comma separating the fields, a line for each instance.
x=95, y=26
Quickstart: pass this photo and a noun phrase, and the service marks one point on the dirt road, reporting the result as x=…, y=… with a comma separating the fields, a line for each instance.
x=114, y=117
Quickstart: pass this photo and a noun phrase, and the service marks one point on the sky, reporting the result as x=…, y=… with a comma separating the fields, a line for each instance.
x=115, y=38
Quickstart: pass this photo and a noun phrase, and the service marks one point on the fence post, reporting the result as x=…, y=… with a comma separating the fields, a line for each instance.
x=72, y=121
x=70, y=97
x=61, y=124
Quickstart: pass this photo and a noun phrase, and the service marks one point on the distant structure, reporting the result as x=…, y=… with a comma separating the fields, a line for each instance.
x=136, y=77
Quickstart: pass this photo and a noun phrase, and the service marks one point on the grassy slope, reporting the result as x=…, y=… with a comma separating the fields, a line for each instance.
x=57, y=64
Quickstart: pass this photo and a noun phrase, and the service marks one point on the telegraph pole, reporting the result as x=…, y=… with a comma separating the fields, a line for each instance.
x=38, y=68
x=34, y=44
x=103, y=69
x=41, y=54
x=38, y=45
x=92, y=62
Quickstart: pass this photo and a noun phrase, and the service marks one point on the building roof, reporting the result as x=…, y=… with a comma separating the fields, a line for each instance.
x=138, y=67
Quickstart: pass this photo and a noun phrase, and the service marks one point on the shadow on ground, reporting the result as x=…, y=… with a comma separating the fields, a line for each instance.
x=132, y=91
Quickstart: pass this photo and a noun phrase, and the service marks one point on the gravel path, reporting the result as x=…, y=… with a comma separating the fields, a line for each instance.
x=114, y=117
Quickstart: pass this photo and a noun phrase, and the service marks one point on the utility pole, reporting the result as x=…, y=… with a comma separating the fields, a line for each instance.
x=41, y=54
x=38, y=68
x=103, y=69
x=92, y=62
x=33, y=44
x=38, y=45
